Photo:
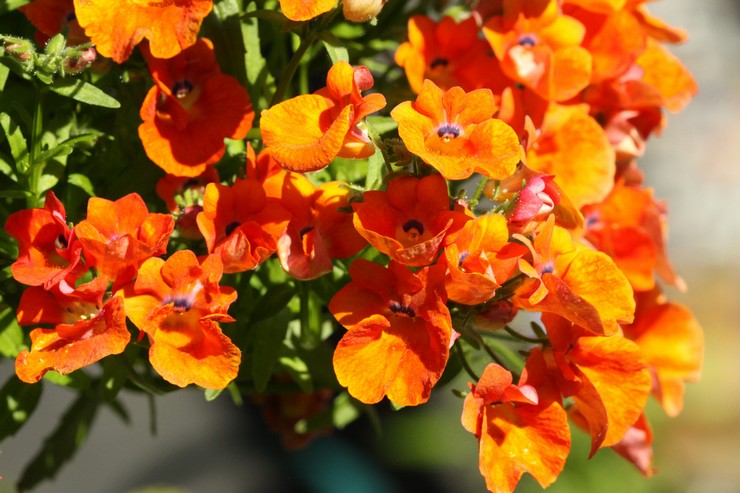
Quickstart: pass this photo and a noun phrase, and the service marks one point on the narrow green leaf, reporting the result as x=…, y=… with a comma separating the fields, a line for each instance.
x=273, y=301
x=83, y=182
x=9, y=5
x=15, y=194
x=18, y=146
x=375, y=165
x=5, y=167
x=4, y=72
x=84, y=92
x=211, y=394
x=64, y=148
x=77, y=380
x=382, y=124
x=61, y=445
x=334, y=47
x=17, y=402
x=260, y=81
x=297, y=369
x=11, y=335
x=266, y=343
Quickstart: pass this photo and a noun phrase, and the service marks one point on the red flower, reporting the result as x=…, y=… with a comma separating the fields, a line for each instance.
x=191, y=109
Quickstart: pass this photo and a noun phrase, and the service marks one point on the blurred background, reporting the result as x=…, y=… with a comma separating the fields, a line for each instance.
x=216, y=447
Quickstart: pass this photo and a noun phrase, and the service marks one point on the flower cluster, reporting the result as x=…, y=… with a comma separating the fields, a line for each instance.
x=512, y=185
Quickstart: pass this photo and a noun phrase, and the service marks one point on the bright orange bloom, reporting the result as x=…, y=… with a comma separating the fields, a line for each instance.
x=398, y=332
x=178, y=304
x=575, y=149
x=49, y=17
x=261, y=167
x=116, y=26
x=664, y=72
x=607, y=377
x=542, y=52
x=519, y=428
x=241, y=224
x=48, y=252
x=673, y=344
x=449, y=54
x=480, y=259
x=303, y=10
x=307, y=132
x=455, y=133
x=118, y=236
x=571, y=280
x=190, y=110
x=411, y=220
x=86, y=328
x=318, y=231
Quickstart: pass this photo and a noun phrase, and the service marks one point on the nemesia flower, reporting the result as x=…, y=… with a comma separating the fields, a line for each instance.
x=318, y=231
x=190, y=110
x=542, y=52
x=447, y=53
x=480, y=259
x=607, y=377
x=116, y=26
x=118, y=236
x=673, y=344
x=241, y=224
x=455, y=133
x=171, y=187
x=49, y=17
x=520, y=428
x=301, y=10
x=398, y=332
x=307, y=132
x=410, y=221
x=86, y=328
x=582, y=285
x=48, y=252
x=178, y=304
x=573, y=147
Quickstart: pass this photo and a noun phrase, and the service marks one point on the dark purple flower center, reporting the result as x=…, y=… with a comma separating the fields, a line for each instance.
x=449, y=131
x=398, y=308
x=528, y=40
x=439, y=62
x=182, y=88
x=231, y=227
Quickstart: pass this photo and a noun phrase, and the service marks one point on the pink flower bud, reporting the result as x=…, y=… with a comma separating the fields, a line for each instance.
x=362, y=10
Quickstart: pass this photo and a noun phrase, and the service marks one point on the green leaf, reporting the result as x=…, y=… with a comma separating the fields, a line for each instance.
x=83, y=182
x=266, y=343
x=334, y=47
x=382, y=124
x=8, y=5
x=64, y=148
x=272, y=302
x=298, y=370
x=4, y=72
x=76, y=380
x=375, y=166
x=15, y=194
x=260, y=81
x=61, y=445
x=211, y=394
x=11, y=335
x=84, y=92
x=17, y=402
x=18, y=146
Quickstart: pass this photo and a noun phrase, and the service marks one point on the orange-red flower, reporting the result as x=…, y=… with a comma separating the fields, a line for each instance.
x=447, y=53
x=455, y=132
x=118, y=236
x=307, y=132
x=241, y=224
x=541, y=49
x=190, y=110
x=318, y=230
x=116, y=26
x=48, y=251
x=398, y=332
x=673, y=344
x=86, y=329
x=571, y=280
x=411, y=220
x=178, y=304
x=303, y=10
x=520, y=428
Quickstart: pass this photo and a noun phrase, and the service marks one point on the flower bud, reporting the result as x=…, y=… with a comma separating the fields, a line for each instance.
x=361, y=10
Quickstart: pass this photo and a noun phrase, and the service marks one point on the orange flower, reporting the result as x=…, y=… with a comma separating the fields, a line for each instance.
x=48, y=252
x=318, y=231
x=607, y=377
x=116, y=26
x=575, y=282
x=86, y=329
x=398, y=332
x=542, y=51
x=574, y=148
x=449, y=54
x=456, y=134
x=118, y=236
x=636, y=446
x=307, y=132
x=49, y=17
x=519, y=429
x=191, y=109
x=673, y=344
x=480, y=259
x=302, y=10
x=411, y=220
x=178, y=304
x=241, y=224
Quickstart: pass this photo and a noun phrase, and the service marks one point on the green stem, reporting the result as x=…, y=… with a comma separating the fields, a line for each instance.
x=464, y=362
x=375, y=137
x=136, y=378
x=35, y=172
x=517, y=335
x=287, y=76
x=478, y=192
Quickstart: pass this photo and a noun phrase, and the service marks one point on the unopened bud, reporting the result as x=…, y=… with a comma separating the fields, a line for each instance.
x=362, y=10
x=78, y=62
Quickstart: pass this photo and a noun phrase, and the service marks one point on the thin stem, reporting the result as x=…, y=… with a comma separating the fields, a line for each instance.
x=375, y=137
x=478, y=191
x=136, y=378
x=464, y=362
x=287, y=76
x=492, y=354
x=34, y=200
x=517, y=335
